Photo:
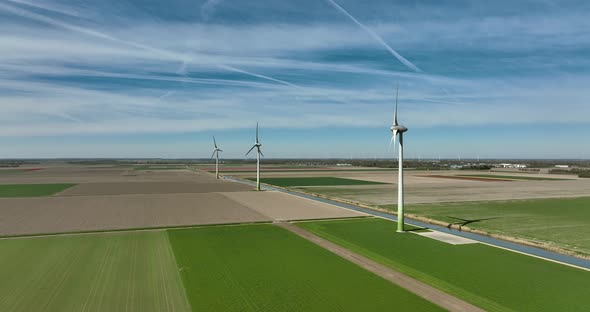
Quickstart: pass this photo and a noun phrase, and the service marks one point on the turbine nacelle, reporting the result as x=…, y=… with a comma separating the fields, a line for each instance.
x=398, y=129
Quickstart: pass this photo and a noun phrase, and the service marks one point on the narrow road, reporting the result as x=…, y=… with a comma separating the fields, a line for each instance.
x=425, y=291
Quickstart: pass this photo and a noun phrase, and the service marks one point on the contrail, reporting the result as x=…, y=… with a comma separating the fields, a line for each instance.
x=376, y=37
x=231, y=68
x=101, y=35
x=168, y=54
x=86, y=31
x=47, y=8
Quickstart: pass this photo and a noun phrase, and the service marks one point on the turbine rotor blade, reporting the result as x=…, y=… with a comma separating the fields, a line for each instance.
x=393, y=136
x=214, y=142
x=260, y=151
x=250, y=150
x=256, y=132
x=215, y=151
x=395, y=114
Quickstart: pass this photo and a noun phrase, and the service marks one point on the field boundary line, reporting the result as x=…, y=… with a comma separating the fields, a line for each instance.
x=131, y=230
x=420, y=289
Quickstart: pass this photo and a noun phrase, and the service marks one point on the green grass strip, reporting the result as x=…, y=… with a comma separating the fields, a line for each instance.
x=32, y=190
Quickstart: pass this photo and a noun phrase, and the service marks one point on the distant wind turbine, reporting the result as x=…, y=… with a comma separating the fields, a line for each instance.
x=397, y=129
x=216, y=152
x=257, y=145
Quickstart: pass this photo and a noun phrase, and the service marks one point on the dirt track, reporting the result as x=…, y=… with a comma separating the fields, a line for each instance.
x=423, y=290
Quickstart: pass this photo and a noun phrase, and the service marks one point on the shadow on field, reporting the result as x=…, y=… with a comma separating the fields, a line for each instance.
x=464, y=222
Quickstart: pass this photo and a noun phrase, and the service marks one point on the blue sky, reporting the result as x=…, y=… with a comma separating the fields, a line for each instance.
x=124, y=78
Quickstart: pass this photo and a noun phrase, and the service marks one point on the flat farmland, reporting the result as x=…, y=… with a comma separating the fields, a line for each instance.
x=106, y=272
x=169, y=187
x=556, y=222
x=31, y=190
x=266, y=268
x=25, y=216
x=313, y=181
x=421, y=189
x=94, y=174
x=491, y=278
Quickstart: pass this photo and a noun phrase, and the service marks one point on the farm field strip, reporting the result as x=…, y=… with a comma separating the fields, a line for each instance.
x=492, y=278
x=510, y=177
x=32, y=190
x=314, y=181
x=266, y=268
x=115, y=272
x=25, y=216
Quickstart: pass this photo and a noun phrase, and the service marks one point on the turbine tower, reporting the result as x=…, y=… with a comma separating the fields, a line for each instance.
x=257, y=145
x=216, y=154
x=397, y=129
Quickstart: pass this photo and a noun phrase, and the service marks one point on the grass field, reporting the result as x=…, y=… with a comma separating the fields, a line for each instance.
x=105, y=272
x=266, y=268
x=509, y=177
x=31, y=190
x=558, y=221
x=11, y=171
x=313, y=181
x=492, y=278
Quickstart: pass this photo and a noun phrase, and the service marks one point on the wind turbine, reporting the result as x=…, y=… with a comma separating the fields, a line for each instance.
x=397, y=129
x=216, y=154
x=257, y=145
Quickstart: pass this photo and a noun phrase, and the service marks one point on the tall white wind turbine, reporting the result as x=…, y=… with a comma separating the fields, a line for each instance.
x=216, y=152
x=397, y=129
x=257, y=145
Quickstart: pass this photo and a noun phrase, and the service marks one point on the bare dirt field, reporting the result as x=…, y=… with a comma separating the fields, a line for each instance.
x=280, y=206
x=92, y=213
x=115, y=199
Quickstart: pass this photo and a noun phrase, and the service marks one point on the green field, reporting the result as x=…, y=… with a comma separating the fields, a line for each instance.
x=492, y=278
x=509, y=177
x=31, y=190
x=230, y=268
x=313, y=181
x=266, y=268
x=104, y=272
x=562, y=222
x=10, y=171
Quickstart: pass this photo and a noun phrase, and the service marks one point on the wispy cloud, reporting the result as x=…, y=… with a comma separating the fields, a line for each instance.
x=208, y=8
x=136, y=71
